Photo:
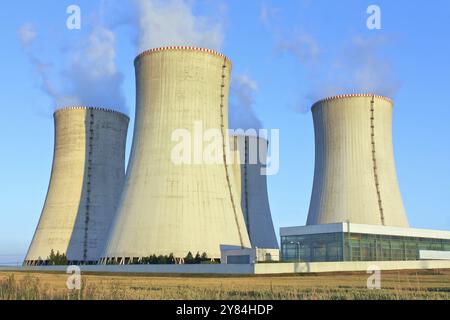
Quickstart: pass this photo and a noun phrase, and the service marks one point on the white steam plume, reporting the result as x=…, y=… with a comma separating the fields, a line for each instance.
x=173, y=23
x=358, y=68
x=27, y=37
x=242, y=103
x=267, y=12
x=90, y=76
x=304, y=47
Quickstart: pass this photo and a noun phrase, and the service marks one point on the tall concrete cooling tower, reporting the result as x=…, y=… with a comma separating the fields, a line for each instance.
x=355, y=176
x=168, y=207
x=250, y=155
x=87, y=179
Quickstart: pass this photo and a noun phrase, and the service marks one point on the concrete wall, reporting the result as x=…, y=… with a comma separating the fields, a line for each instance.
x=86, y=182
x=363, y=266
x=355, y=176
x=158, y=269
x=176, y=208
x=260, y=268
x=434, y=255
x=253, y=194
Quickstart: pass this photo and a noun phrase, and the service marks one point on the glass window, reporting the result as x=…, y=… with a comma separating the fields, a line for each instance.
x=356, y=247
x=310, y=248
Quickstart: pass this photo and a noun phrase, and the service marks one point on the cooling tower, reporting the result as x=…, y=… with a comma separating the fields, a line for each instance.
x=169, y=207
x=87, y=179
x=355, y=177
x=250, y=157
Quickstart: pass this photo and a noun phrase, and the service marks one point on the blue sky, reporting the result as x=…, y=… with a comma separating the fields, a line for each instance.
x=286, y=54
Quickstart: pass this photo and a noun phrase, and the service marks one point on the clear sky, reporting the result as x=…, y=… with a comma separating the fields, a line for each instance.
x=286, y=54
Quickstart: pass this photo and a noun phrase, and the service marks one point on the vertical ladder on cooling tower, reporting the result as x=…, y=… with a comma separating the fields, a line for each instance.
x=88, y=184
x=224, y=140
x=374, y=158
x=246, y=163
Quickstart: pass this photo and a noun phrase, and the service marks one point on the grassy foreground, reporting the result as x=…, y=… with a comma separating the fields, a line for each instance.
x=432, y=284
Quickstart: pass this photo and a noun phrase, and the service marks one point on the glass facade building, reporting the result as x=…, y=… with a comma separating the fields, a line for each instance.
x=355, y=246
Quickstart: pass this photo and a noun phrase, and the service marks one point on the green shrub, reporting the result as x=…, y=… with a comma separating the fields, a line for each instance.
x=198, y=258
x=57, y=259
x=189, y=259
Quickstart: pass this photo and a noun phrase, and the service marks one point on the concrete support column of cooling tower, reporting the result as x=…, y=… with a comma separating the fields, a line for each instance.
x=87, y=178
x=355, y=177
x=176, y=208
x=250, y=155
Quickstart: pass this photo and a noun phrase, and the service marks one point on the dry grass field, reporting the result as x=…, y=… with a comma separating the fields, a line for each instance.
x=430, y=284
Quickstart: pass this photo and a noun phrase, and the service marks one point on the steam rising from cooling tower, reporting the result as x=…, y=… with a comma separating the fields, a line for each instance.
x=360, y=65
x=164, y=23
x=87, y=179
x=250, y=154
x=166, y=207
x=355, y=177
x=90, y=76
x=242, y=103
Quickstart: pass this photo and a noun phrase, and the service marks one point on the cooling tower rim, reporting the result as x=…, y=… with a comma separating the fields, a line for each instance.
x=72, y=108
x=182, y=48
x=354, y=95
x=239, y=135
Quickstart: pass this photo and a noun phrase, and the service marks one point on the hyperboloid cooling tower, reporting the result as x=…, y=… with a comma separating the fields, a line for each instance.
x=355, y=177
x=250, y=155
x=169, y=207
x=86, y=181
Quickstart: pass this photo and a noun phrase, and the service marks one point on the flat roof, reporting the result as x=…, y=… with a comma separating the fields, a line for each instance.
x=364, y=229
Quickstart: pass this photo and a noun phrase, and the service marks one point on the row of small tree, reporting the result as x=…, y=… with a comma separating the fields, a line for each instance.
x=58, y=259
x=154, y=259
x=170, y=259
x=198, y=259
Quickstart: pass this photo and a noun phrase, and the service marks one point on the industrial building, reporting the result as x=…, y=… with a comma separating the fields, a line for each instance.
x=251, y=157
x=362, y=242
x=86, y=182
x=167, y=207
x=356, y=211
